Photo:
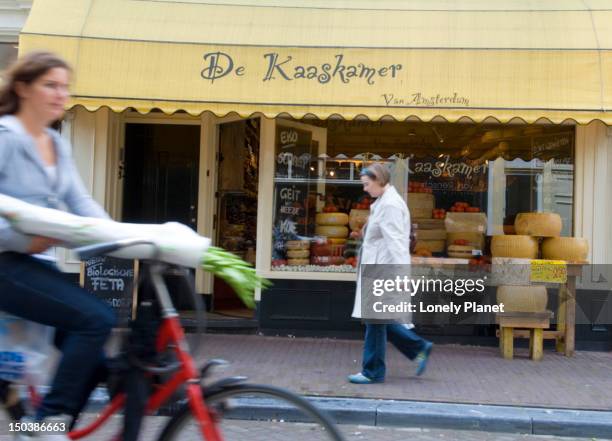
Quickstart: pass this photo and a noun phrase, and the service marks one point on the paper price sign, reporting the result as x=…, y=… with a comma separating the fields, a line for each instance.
x=548, y=271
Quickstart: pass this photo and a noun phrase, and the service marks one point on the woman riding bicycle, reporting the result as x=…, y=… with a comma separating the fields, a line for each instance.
x=36, y=167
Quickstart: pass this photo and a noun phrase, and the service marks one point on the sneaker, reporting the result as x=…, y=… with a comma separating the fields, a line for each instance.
x=57, y=426
x=422, y=358
x=362, y=379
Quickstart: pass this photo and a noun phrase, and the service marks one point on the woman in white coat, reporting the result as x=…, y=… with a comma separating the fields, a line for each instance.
x=386, y=241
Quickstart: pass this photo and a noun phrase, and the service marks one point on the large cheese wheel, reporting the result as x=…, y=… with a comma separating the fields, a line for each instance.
x=514, y=246
x=477, y=240
x=298, y=262
x=431, y=234
x=435, y=246
x=358, y=218
x=331, y=231
x=421, y=205
x=332, y=219
x=518, y=298
x=298, y=254
x=570, y=249
x=298, y=244
x=538, y=224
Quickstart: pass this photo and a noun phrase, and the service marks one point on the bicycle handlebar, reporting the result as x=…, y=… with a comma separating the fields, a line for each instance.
x=99, y=249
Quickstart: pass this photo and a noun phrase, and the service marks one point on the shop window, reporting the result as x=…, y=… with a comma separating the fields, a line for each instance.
x=462, y=182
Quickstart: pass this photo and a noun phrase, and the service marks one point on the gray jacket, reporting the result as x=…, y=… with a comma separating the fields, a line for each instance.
x=23, y=176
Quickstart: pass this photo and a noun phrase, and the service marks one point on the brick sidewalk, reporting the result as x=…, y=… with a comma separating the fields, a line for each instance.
x=457, y=374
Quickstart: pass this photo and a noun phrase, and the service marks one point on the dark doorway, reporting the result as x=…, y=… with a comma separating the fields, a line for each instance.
x=161, y=173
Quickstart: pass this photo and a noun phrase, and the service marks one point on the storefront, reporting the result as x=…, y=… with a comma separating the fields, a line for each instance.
x=250, y=121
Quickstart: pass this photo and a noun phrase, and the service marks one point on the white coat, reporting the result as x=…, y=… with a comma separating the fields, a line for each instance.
x=387, y=236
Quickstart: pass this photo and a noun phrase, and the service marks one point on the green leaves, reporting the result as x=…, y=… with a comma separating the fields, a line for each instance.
x=241, y=276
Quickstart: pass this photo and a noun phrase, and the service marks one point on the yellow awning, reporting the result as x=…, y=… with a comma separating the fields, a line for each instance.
x=527, y=59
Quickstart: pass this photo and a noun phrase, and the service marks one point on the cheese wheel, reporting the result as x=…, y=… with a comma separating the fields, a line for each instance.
x=514, y=246
x=298, y=244
x=518, y=298
x=538, y=224
x=435, y=246
x=331, y=231
x=421, y=205
x=570, y=249
x=336, y=241
x=460, y=251
x=332, y=219
x=477, y=240
x=297, y=262
x=430, y=234
x=298, y=254
x=428, y=224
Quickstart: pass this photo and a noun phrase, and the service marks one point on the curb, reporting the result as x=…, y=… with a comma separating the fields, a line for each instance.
x=372, y=412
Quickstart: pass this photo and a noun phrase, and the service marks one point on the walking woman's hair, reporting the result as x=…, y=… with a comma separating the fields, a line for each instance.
x=26, y=70
x=377, y=172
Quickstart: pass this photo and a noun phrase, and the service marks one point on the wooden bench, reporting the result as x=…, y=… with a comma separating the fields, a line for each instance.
x=511, y=325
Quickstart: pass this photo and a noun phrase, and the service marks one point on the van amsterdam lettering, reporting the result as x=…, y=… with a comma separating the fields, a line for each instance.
x=219, y=65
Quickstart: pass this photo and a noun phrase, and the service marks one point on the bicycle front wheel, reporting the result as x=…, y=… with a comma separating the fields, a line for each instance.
x=252, y=412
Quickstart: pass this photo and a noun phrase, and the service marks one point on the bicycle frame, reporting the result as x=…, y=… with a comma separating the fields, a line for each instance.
x=170, y=335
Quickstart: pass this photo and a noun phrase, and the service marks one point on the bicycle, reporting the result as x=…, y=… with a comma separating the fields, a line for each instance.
x=204, y=409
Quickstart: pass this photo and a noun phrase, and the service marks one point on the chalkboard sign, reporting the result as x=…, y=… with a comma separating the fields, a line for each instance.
x=112, y=280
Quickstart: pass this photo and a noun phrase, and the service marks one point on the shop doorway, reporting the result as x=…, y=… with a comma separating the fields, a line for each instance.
x=235, y=222
x=160, y=173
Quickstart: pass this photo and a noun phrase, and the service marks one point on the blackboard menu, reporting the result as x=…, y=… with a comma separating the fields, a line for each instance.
x=294, y=152
x=112, y=280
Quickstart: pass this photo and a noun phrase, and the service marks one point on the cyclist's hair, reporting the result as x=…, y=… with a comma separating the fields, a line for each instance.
x=26, y=69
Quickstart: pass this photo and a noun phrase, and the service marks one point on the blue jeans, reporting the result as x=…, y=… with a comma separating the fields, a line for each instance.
x=37, y=291
x=405, y=340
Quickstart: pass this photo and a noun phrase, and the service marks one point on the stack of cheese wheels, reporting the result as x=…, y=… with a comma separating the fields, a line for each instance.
x=460, y=251
x=332, y=225
x=517, y=298
x=421, y=205
x=516, y=246
x=538, y=224
x=570, y=249
x=430, y=234
x=298, y=252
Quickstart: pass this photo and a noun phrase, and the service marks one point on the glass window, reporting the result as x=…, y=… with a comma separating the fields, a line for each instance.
x=462, y=183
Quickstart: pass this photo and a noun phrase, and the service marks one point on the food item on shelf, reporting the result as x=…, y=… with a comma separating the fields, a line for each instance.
x=428, y=224
x=351, y=261
x=327, y=260
x=461, y=207
x=363, y=204
x=438, y=213
x=460, y=251
x=330, y=207
x=298, y=254
x=298, y=244
x=466, y=222
x=320, y=249
x=335, y=218
x=336, y=241
x=421, y=205
x=435, y=246
x=332, y=231
x=570, y=249
x=422, y=252
x=297, y=262
x=518, y=298
x=514, y=246
x=358, y=218
x=279, y=262
x=538, y=224
x=430, y=234
x=477, y=240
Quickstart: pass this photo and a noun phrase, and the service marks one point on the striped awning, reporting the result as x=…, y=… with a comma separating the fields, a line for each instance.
x=527, y=59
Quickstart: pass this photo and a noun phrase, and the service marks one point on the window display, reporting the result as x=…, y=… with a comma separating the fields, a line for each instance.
x=463, y=183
